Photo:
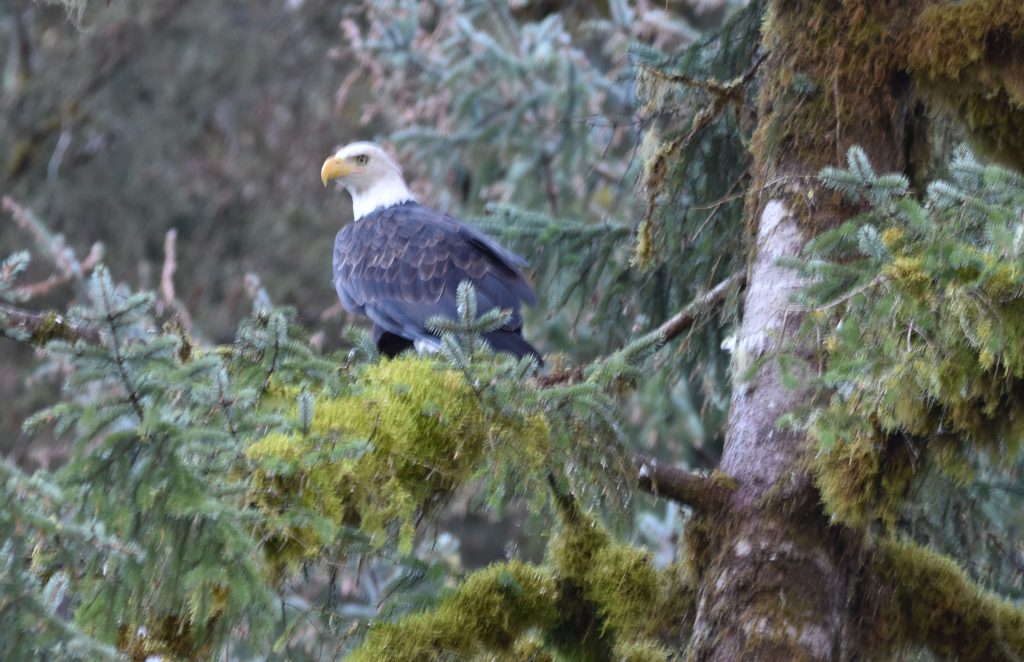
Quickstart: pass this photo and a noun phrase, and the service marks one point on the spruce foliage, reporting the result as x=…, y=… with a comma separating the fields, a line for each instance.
x=918, y=309
x=230, y=471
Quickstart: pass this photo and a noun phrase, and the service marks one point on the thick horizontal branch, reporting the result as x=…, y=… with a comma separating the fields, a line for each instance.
x=704, y=492
x=41, y=328
x=922, y=598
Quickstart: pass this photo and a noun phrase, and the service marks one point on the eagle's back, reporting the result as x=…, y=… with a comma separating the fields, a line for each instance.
x=401, y=265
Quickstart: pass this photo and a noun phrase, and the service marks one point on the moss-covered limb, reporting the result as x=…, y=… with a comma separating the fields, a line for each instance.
x=410, y=432
x=703, y=492
x=41, y=328
x=637, y=606
x=491, y=611
x=967, y=56
x=594, y=599
x=918, y=597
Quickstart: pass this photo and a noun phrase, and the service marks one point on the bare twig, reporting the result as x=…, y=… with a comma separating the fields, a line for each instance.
x=167, y=294
x=254, y=288
x=729, y=89
x=170, y=266
x=53, y=246
x=685, y=318
x=39, y=288
x=701, y=492
x=715, y=207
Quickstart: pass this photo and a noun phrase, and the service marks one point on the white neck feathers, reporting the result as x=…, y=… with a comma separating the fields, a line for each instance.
x=384, y=192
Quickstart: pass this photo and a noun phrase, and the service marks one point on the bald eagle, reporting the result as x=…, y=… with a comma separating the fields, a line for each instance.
x=401, y=262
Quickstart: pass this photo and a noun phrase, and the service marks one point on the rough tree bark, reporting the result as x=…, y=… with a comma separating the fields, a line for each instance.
x=777, y=580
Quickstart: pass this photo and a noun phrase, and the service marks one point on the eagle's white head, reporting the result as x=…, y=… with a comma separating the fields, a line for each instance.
x=372, y=177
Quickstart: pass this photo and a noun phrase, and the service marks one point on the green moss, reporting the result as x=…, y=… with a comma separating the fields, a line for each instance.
x=624, y=583
x=489, y=612
x=634, y=602
x=50, y=328
x=718, y=479
x=595, y=600
x=967, y=56
x=526, y=648
x=409, y=433
x=644, y=256
x=966, y=30
x=935, y=604
x=865, y=479
x=640, y=651
x=832, y=81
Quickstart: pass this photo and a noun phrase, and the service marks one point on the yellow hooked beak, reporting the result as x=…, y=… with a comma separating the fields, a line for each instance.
x=334, y=168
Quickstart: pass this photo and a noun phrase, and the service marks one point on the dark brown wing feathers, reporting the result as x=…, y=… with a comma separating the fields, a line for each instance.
x=401, y=265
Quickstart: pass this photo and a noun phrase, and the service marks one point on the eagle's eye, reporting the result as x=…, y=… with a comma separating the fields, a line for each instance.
x=362, y=159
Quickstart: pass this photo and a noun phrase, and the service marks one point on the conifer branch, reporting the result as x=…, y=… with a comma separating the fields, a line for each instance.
x=40, y=328
x=116, y=346
x=670, y=329
x=674, y=326
x=702, y=492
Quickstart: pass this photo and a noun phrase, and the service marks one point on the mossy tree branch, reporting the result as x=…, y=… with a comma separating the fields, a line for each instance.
x=966, y=56
x=594, y=599
x=488, y=612
x=41, y=328
x=922, y=598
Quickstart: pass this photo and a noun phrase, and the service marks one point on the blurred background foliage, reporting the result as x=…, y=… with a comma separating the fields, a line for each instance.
x=208, y=118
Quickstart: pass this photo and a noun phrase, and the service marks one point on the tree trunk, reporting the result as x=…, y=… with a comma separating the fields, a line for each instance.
x=778, y=580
